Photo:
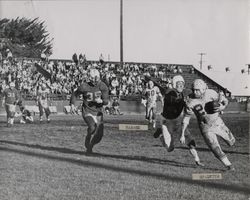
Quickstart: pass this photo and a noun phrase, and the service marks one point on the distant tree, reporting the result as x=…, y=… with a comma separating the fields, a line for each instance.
x=24, y=37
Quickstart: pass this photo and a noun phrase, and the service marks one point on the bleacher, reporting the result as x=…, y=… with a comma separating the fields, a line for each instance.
x=187, y=71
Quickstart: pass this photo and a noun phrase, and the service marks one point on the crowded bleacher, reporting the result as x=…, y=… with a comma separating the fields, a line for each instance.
x=123, y=80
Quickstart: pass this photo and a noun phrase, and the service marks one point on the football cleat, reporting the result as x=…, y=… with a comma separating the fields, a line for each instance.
x=22, y=121
x=230, y=168
x=158, y=132
x=198, y=163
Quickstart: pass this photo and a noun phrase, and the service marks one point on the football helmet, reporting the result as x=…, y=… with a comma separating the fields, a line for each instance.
x=12, y=84
x=94, y=76
x=199, y=88
x=176, y=79
x=212, y=107
x=150, y=84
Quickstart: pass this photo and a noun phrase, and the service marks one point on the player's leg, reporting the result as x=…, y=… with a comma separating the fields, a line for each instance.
x=192, y=147
x=8, y=114
x=98, y=134
x=40, y=112
x=153, y=110
x=212, y=142
x=167, y=130
x=12, y=111
x=91, y=123
x=224, y=132
x=47, y=113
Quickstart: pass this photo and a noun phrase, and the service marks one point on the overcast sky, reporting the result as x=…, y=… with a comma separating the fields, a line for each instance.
x=162, y=31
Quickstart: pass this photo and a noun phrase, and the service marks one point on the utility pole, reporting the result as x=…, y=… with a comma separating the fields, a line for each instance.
x=121, y=31
x=201, y=54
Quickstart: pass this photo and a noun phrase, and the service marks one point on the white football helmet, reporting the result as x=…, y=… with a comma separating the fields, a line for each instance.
x=199, y=87
x=12, y=84
x=176, y=79
x=150, y=84
x=94, y=76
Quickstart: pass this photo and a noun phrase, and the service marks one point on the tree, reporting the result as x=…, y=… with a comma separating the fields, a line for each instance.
x=25, y=37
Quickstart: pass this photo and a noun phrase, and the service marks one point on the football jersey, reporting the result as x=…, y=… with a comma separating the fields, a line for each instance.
x=198, y=107
x=90, y=94
x=11, y=95
x=43, y=94
x=173, y=104
x=152, y=94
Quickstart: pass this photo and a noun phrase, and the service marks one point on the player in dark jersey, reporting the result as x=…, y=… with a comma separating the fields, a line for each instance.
x=10, y=98
x=174, y=102
x=95, y=95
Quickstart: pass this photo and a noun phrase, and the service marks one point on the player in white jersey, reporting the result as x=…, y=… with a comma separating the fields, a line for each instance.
x=152, y=94
x=207, y=105
x=42, y=102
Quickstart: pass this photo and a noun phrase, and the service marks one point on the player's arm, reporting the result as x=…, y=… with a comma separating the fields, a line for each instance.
x=171, y=98
x=223, y=102
x=75, y=94
x=3, y=100
x=105, y=94
x=17, y=96
x=160, y=95
x=38, y=97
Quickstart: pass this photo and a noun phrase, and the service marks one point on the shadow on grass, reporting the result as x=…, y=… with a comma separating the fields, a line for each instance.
x=213, y=185
x=208, y=150
x=103, y=155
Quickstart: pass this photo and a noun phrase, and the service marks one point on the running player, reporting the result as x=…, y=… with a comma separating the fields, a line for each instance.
x=152, y=94
x=42, y=102
x=174, y=101
x=207, y=105
x=10, y=98
x=95, y=95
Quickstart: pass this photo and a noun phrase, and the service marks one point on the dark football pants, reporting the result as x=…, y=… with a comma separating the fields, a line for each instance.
x=95, y=129
x=174, y=126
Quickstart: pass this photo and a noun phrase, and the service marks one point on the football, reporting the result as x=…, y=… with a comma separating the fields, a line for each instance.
x=211, y=107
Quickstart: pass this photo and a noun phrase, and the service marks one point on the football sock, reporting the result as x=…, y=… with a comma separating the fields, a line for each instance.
x=194, y=154
x=225, y=161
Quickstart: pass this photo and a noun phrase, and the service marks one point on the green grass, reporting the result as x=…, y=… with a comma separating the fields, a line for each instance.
x=48, y=161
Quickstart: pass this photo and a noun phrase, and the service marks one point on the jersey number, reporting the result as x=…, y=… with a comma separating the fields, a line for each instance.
x=199, y=109
x=92, y=96
x=11, y=95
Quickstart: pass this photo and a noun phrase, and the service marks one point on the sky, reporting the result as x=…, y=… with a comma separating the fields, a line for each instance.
x=157, y=31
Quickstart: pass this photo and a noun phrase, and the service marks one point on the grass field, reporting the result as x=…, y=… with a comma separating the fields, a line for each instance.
x=48, y=161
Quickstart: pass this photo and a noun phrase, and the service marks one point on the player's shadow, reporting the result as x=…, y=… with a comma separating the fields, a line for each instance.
x=103, y=155
x=202, y=149
x=129, y=170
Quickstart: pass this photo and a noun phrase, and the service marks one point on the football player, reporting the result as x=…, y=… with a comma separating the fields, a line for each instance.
x=42, y=102
x=174, y=101
x=10, y=98
x=95, y=94
x=207, y=104
x=26, y=116
x=152, y=93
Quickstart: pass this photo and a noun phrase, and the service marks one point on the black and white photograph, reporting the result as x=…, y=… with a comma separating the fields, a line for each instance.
x=124, y=99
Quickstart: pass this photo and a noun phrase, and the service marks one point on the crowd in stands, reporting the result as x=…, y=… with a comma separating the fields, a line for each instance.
x=126, y=79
